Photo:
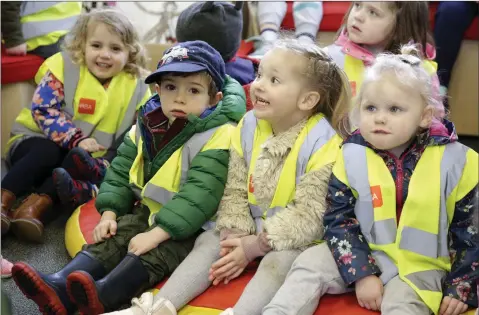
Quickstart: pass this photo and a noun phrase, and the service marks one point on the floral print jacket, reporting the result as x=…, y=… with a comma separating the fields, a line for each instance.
x=350, y=249
x=47, y=112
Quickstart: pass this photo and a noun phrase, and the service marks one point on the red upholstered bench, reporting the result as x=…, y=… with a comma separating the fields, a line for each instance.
x=19, y=68
x=78, y=231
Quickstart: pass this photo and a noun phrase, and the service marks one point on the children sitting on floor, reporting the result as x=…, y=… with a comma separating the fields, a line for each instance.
x=160, y=191
x=399, y=224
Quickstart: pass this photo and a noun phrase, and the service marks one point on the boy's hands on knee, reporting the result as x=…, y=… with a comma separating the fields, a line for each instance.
x=231, y=265
x=91, y=145
x=144, y=242
x=451, y=306
x=106, y=228
x=369, y=292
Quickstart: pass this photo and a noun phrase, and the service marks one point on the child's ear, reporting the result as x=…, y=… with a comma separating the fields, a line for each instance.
x=309, y=100
x=157, y=88
x=216, y=99
x=427, y=115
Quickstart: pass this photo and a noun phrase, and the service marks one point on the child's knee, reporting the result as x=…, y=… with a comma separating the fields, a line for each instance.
x=209, y=239
x=278, y=263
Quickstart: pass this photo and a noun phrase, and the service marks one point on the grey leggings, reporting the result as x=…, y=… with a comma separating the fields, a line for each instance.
x=190, y=279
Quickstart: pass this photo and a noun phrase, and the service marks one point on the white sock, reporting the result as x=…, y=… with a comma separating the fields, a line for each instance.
x=307, y=17
x=271, y=14
x=269, y=35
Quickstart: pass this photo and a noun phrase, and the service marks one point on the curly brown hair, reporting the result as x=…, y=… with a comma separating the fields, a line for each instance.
x=412, y=23
x=117, y=23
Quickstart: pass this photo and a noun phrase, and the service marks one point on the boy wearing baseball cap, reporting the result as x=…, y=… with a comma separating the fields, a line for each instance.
x=161, y=191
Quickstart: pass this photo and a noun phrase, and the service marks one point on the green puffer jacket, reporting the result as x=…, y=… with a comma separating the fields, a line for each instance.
x=199, y=197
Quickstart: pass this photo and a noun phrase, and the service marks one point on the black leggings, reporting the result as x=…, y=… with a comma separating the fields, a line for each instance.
x=31, y=167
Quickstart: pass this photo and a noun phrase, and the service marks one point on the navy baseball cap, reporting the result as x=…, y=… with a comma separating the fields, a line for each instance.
x=190, y=57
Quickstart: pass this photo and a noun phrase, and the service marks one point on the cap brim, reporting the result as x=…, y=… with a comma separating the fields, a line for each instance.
x=179, y=67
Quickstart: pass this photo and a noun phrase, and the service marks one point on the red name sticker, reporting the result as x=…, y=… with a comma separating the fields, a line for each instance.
x=376, y=196
x=86, y=106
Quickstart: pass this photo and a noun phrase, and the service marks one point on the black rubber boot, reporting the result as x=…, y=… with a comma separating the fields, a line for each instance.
x=49, y=291
x=124, y=282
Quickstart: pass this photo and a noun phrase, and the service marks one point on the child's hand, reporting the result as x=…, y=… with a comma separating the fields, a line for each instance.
x=451, y=306
x=369, y=292
x=144, y=242
x=91, y=145
x=106, y=228
x=231, y=265
x=19, y=50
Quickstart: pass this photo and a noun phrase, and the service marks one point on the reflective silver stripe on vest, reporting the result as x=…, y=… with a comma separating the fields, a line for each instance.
x=430, y=280
x=320, y=134
x=432, y=245
x=381, y=232
x=335, y=52
x=386, y=265
x=71, y=77
x=376, y=232
x=158, y=194
x=41, y=28
x=31, y=7
x=191, y=148
x=247, y=136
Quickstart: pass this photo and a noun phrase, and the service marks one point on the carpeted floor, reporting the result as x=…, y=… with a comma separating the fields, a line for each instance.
x=47, y=257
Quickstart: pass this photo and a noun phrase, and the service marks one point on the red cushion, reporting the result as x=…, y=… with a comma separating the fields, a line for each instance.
x=333, y=13
x=79, y=231
x=224, y=296
x=19, y=68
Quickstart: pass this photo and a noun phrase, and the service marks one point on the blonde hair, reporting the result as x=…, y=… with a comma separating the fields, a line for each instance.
x=407, y=68
x=117, y=23
x=325, y=77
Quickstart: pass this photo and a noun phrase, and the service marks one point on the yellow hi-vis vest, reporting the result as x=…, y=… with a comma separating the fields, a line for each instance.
x=355, y=68
x=43, y=23
x=316, y=146
x=105, y=115
x=416, y=249
x=167, y=181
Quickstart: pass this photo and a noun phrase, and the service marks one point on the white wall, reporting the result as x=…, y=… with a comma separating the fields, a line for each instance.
x=144, y=21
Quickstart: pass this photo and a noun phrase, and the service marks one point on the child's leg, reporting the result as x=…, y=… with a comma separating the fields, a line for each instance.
x=190, y=279
x=268, y=279
x=31, y=163
x=313, y=274
x=112, y=250
x=82, y=166
x=270, y=16
x=130, y=277
x=400, y=299
x=70, y=191
x=307, y=17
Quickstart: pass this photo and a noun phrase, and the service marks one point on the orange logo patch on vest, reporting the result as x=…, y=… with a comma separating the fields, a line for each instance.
x=353, y=87
x=250, y=184
x=376, y=196
x=86, y=106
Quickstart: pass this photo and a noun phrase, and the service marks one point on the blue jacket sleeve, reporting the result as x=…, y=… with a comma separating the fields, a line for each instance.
x=343, y=235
